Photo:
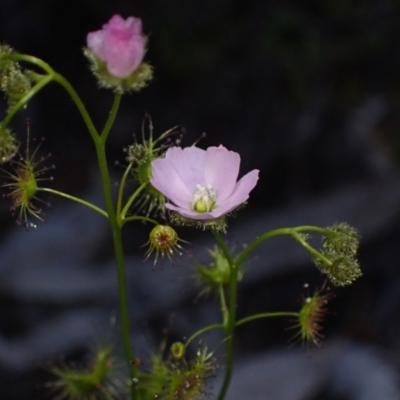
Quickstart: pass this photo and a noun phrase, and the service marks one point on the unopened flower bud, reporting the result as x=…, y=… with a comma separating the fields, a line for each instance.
x=177, y=350
x=116, y=53
x=163, y=240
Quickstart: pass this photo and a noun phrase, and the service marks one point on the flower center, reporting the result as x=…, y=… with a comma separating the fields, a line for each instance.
x=204, y=198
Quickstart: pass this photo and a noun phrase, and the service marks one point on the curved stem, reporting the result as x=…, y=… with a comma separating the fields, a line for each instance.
x=79, y=105
x=76, y=199
x=311, y=249
x=32, y=60
x=267, y=315
x=202, y=330
x=276, y=232
x=22, y=102
x=63, y=82
x=230, y=323
x=140, y=218
x=131, y=200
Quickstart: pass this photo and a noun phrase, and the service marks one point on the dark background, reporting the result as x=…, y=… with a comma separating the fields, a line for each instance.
x=307, y=92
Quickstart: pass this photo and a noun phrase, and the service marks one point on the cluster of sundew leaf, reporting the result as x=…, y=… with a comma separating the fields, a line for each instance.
x=98, y=381
x=8, y=145
x=140, y=155
x=340, y=246
x=14, y=81
x=176, y=379
x=22, y=183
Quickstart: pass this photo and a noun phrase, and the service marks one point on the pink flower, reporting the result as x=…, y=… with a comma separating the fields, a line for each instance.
x=202, y=184
x=120, y=44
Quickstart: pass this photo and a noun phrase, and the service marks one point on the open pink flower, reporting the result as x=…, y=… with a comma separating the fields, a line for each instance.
x=120, y=44
x=202, y=184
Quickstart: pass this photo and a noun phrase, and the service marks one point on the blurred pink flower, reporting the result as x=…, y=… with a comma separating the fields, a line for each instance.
x=120, y=44
x=202, y=184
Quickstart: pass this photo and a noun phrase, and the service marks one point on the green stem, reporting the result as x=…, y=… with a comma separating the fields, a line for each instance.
x=224, y=308
x=202, y=330
x=276, y=232
x=119, y=258
x=99, y=142
x=21, y=103
x=121, y=189
x=63, y=82
x=229, y=326
x=267, y=315
x=140, y=218
x=76, y=199
x=79, y=104
x=32, y=60
x=111, y=116
x=131, y=200
x=311, y=249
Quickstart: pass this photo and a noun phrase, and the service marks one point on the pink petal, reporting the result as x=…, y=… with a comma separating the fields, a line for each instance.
x=239, y=195
x=167, y=180
x=94, y=41
x=189, y=164
x=221, y=169
x=120, y=44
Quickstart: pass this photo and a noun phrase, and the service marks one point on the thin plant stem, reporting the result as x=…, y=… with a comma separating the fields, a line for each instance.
x=76, y=199
x=311, y=249
x=277, y=232
x=229, y=325
x=224, y=308
x=111, y=116
x=99, y=142
x=32, y=92
x=140, y=218
x=131, y=200
x=121, y=189
x=119, y=258
x=66, y=85
x=203, y=330
x=267, y=315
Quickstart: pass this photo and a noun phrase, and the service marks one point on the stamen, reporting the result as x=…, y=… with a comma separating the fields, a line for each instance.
x=204, y=198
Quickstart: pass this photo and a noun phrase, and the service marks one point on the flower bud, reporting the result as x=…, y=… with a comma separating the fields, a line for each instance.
x=163, y=240
x=116, y=53
x=177, y=350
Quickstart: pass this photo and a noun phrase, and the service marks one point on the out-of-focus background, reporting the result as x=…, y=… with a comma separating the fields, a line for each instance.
x=309, y=93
